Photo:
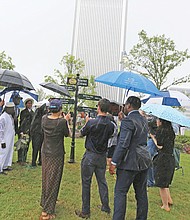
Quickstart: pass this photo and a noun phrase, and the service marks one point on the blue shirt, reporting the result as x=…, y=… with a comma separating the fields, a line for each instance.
x=97, y=132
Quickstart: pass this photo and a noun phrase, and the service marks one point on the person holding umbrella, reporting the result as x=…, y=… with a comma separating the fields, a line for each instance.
x=164, y=161
x=16, y=99
x=1, y=105
x=37, y=134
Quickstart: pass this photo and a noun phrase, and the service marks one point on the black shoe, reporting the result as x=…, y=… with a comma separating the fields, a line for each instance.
x=3, y=173
x=30, y=166
x=8, y=169
x=39, y=164
x=103, y=209
x=81, y=214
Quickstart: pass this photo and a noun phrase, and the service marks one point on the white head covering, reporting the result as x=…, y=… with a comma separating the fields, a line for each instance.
x=9, y=104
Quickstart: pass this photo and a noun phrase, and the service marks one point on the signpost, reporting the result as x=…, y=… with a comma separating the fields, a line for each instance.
x=70, y=88
x=89, y=97
x=68, y=101
x=83, y=82
x=85, y=109
x=72, y=153
x=76, y=82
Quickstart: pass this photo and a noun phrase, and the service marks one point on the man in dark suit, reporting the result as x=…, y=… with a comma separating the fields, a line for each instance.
x=130, y=168
x=26, y=116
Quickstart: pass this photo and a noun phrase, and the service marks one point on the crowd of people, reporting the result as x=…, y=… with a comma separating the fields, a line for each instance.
x=138, y=150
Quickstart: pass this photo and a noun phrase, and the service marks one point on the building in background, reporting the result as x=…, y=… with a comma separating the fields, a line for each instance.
x=99, y=38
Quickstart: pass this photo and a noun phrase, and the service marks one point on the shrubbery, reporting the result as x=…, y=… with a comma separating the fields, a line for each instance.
x=182, y=141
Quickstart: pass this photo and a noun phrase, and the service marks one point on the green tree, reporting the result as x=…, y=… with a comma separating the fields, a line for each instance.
x=70, y=67
x=6, y=61
x=155, y=57
x=41, y=94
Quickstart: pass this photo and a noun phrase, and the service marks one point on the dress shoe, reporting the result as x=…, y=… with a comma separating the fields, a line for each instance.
x=8, y=169
x=31, y=166
x=39, y=164
x=81, y=214
x=3, y=173
x=103, y=209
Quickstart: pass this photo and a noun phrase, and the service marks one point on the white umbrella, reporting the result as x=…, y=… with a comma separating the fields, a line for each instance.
x=169, y=97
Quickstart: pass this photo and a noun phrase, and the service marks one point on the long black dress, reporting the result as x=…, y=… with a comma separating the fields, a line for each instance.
x=164, y=162
x=52, y=160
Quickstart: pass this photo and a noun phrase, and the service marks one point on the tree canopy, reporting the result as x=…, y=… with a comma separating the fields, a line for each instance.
x=70, y=68
x=6, y=61
x=155, y=57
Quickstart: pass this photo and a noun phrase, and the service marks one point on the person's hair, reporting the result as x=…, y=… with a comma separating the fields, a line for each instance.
x=55, y=110
x=152, y=126
x=29, y=100
x=134, y=101
x=166, y=124
x=166, y=128
x=0, y=99
x=104, y=105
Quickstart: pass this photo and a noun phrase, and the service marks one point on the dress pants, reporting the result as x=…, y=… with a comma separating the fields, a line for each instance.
x=94, y=163
x=153, y=151
x=37, y=140
x=124, y=180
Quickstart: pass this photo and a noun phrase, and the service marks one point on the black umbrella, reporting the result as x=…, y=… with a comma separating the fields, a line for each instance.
x=56, y=88
x=9, y=78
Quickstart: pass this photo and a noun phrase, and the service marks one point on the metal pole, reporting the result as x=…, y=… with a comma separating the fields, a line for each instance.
x=72, y=152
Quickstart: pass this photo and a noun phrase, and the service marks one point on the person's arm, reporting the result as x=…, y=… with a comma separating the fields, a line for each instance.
x=67, y=118
x=155, y=141
x=2, y=133
x=126, y=132
x=85, y=129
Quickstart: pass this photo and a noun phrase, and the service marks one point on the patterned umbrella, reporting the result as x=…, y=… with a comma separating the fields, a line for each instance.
x=167, y=113
x=170, y=98
x=128, y=81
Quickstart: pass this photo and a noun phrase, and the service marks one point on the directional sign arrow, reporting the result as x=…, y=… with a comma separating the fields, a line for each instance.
x=89, y=97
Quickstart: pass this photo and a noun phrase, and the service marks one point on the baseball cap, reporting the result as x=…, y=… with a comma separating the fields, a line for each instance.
x=55, y=104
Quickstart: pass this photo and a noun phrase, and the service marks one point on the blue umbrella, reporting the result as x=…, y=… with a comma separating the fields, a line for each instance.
x=128, y=81
x=167, y=113
x=170, y=98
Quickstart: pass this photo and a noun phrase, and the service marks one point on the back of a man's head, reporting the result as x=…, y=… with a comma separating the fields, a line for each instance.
x=134, y=101
x=104, y=105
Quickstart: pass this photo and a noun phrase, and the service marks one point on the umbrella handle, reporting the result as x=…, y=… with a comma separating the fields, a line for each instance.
x=125, y=94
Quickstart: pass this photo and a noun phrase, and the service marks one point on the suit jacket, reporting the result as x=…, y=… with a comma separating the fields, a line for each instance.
x=133, y=133
x=25, y=120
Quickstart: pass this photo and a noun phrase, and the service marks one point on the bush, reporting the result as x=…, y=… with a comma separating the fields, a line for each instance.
x=182, y=141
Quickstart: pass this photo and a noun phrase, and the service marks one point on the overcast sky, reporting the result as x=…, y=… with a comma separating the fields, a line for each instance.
x=37, y=33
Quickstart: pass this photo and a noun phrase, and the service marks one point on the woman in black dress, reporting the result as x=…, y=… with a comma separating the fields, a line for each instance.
x=164, y=162
x=55, y=128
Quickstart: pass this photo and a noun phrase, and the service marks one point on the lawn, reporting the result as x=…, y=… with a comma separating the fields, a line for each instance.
x=20, y=193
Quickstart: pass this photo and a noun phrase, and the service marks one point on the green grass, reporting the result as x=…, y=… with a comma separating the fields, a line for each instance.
x=20, y=193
